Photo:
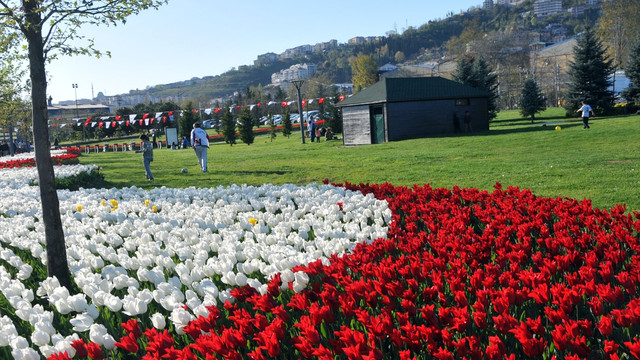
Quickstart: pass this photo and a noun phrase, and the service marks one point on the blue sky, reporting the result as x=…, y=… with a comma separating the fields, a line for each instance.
x=196, y=38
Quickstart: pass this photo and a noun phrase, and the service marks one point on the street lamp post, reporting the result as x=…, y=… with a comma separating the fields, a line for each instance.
x=298, y=84
x=75, y=90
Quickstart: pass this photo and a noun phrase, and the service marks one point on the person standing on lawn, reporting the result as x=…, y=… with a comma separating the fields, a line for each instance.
x=586, y=111
x=200, y=143
x=146, y=148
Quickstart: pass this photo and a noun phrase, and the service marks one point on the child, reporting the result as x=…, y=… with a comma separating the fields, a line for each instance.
x=146, y=149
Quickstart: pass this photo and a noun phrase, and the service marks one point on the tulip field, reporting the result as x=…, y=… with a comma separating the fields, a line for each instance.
x=320, y=271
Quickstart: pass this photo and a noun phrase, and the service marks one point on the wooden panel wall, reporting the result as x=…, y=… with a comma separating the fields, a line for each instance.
x=356, y=125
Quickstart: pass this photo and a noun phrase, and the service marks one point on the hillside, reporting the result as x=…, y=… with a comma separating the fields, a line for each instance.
x=431, y=42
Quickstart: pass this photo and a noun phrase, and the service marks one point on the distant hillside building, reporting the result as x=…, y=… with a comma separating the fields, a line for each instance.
x=364, y=39
x=297, y=71
x=266, y=59
x=544, y=8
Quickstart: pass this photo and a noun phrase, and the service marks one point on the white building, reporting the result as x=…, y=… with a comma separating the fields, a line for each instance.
x=543, y=8
x=297, y=71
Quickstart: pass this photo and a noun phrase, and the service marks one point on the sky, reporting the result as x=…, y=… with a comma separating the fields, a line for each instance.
x=196, y=38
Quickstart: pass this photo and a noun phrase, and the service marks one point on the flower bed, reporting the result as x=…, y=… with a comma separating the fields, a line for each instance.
x=460, y=273
x=58, y=157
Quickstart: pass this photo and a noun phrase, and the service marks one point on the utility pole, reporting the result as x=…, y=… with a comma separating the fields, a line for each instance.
x=298, y=84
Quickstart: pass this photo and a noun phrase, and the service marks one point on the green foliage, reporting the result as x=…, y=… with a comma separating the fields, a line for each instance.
x=186, y=121
x=632, y=93
x=532, y=101
x=335, y=119
x=286, y=123
x=246, y=126
x=476, y=73
x=87, y=180
x=228, y=126
x=589, y=75
x=365, y=72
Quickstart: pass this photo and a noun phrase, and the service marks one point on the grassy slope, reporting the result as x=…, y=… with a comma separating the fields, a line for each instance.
x=601, y=163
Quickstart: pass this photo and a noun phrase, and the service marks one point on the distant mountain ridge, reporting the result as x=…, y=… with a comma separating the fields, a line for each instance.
x=412, y=46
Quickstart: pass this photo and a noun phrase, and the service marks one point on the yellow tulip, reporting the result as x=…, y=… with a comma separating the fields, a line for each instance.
x=146, y=202
x=79, y=207
x=154, y=208
x=253, y=221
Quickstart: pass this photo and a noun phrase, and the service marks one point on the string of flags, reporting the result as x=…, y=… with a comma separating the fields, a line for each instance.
x=167, y=116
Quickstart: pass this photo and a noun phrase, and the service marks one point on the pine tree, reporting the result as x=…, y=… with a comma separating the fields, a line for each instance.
x=632, y=93
x=245, y=121
x=476, y=73
x=187, y=119
x=286, y=123
x=532, y=100
x=589, y=75
x=228, y=127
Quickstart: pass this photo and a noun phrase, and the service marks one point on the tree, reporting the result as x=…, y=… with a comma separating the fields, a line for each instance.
x=286, y=123
x=245, y=121
x=48, y=27
x=365, y=72
x=399, y=57
x=532, y=101
x=589, y=75
x=187, y=119
x=476, y=73
x=228, y=126
x=632, y=93
x=617, y=25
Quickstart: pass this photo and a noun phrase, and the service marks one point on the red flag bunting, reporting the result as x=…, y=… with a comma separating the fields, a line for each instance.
x=145, y=116
x=284, y=104
x=321, y=100
x=118, y=117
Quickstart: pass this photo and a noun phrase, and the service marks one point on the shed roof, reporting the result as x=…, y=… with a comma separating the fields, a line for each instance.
x=413, y=89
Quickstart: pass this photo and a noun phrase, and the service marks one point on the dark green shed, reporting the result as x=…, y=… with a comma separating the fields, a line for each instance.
x=404, y=108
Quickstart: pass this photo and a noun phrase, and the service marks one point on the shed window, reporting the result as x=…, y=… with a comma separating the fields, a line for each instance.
x=462, y=102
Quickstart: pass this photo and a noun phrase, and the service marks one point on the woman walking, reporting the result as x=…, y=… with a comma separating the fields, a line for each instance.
x=146, y=148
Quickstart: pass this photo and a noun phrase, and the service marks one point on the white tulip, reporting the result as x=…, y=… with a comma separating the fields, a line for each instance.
x=81, y=322
x=158, y=321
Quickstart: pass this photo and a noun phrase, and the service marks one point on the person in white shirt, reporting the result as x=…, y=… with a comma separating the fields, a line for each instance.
x=586, y=111
x=200, y=143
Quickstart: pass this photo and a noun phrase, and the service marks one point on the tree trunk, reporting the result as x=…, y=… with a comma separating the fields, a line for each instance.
x=56, y=250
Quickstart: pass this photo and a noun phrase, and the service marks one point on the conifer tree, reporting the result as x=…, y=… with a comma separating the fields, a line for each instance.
x=245, y=121
x=286, y=123
x=632, y=93
x=187, y=119
x=228, y=127
x=476, y=73
x=589, y=75
x=532, y=101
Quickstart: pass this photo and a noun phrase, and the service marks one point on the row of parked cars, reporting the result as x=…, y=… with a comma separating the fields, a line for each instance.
x=277, y=119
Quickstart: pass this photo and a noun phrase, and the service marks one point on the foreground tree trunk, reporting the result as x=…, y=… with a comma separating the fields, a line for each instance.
x=56, y=250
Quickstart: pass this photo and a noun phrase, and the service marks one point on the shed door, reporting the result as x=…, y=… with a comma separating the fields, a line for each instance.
x=377, y=124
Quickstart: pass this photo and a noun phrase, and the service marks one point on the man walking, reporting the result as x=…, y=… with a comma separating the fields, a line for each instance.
x=586, y=111
x=200, y=143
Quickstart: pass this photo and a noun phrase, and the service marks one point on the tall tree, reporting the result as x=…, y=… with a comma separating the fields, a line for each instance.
x=187, y=119
x=48, y=27
x=476, y=73
x=245, y=122
x=589, y=75
x=365, y=72
x=617, y=26
x=228, y=126
x=632, y=93
x=532, y=101
x=286, y=123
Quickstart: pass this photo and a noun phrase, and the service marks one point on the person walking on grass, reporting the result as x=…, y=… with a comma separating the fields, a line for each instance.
x=146, y=148
x=586, y=111
x=200, y=143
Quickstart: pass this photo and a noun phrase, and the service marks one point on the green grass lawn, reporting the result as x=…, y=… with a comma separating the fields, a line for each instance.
x=601, y=163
